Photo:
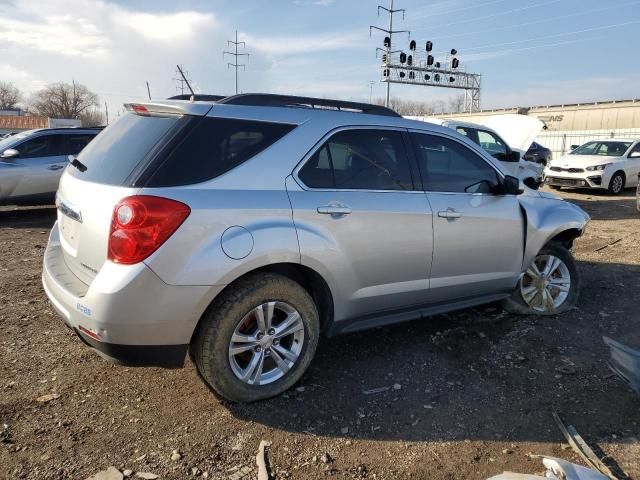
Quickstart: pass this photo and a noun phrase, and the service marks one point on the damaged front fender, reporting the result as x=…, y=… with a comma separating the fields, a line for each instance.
x=548, y=218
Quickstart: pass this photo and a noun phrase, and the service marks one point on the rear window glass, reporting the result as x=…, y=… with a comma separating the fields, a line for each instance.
x=113, y=155
x=215, y=146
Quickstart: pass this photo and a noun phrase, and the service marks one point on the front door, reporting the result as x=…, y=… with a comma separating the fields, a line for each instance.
x=362, y=224
x=478, y=235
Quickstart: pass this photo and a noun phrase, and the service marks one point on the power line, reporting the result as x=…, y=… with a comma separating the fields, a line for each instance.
x=575, y=32
x=455, y=10
x=235, y=56
x=505, y=12
x=543, y=20
x=532, y=47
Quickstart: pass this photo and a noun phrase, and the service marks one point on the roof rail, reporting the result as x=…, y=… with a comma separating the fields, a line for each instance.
x=198, y=96
x=272, y=100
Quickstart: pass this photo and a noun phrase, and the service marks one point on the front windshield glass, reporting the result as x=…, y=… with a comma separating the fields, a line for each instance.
x=605, y=149
x=10, y=141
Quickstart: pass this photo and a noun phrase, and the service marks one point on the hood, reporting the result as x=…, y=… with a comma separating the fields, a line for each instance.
x=582, y=161
x=519, y=131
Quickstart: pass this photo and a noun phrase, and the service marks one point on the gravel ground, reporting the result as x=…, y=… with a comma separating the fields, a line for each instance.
x=468, y=395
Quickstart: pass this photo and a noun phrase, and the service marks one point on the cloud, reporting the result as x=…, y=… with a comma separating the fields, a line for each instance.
x=296, y=44
x=166, y=27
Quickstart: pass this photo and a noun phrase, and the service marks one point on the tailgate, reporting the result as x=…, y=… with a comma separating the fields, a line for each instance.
x=84, y=219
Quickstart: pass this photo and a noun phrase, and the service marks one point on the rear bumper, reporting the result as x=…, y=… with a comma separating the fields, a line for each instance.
x=127, y=314
x=167, y=356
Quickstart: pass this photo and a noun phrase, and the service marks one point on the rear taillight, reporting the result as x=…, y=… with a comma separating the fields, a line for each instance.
x=140, y=224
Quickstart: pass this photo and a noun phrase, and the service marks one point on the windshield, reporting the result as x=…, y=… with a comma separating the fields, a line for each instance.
x=605, y=149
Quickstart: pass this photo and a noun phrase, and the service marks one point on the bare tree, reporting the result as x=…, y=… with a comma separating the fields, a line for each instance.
x=63, y=100
x=456, y=104
x=92, y=118
x=9, y=96
x=407, y=107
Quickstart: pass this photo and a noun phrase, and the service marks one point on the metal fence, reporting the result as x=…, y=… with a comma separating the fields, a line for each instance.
x=559, y=142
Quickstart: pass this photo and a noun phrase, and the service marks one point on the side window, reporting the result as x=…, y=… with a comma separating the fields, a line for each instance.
x=449, y=166
x=213, y=147
x=366, y=159
x=76, y=142
x=41, y=146
x=492, y=144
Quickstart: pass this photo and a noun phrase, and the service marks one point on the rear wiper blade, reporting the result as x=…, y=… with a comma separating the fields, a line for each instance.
x=73, y=160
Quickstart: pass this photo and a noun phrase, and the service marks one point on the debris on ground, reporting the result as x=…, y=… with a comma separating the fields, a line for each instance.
x=581, y=448
x=261, y=460
x=557, y=469
x=625, y=362
x=111, y=473
x=48, y=397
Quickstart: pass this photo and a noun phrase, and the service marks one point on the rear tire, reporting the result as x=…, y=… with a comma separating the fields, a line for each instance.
x=549, y=293
x=617, y=183
x=234, y=323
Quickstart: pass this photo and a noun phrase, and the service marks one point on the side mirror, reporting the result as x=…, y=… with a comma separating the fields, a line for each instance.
x=10, y=153
x=573, y=147
x=514, y=157
x=511, y=186
x=634, y=155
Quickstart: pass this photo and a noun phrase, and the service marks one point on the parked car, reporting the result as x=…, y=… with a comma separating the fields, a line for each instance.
x=520, y=131
x=603, y=164
x=538, y=154
x=638, y=194
x=244, y=229
x=32, y=162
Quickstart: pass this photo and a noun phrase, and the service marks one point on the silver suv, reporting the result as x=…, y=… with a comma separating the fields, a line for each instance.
x=241, y=230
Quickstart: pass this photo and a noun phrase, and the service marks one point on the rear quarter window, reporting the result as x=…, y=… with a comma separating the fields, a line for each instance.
x=213, y=147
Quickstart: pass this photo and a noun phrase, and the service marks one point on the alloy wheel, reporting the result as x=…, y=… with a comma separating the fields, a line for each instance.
x=546, y=283
x=616, y=184
x=266, y=343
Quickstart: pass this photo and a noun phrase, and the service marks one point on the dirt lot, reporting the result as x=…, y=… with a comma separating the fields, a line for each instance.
x=470, y=394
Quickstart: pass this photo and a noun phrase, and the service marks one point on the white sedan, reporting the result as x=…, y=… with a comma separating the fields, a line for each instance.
x=612, y=164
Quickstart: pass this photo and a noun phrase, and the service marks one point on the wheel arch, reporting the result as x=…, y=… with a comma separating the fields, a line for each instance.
x=308, y=278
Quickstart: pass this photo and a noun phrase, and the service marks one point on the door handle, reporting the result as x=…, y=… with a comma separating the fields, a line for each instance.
x=55, y=167
x=450, y=213
x=334, y=210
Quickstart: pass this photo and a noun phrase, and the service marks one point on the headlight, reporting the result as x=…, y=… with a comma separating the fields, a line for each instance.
x=597, y=167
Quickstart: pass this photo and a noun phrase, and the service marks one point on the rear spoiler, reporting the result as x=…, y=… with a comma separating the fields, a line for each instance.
x=167, y=108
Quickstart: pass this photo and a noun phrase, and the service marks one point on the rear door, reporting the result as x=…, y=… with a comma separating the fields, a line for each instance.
x=40, y=163
x=362, y=223
x=478, y=235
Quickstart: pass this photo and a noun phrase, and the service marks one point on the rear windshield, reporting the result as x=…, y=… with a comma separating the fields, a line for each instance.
x=214, y=146
x=114, y=154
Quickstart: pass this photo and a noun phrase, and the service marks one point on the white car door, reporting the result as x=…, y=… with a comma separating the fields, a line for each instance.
x=632, y=166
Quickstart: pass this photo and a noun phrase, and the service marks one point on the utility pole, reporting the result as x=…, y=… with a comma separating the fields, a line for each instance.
x=371, y=83
x=235, y=56
x=182, y=79
x=106, y=113
x=387, y=41
x=148, y=91
x=185, y=81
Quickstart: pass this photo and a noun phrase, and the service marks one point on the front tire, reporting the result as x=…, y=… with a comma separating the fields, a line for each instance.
x=550, y=286
x=616, y=184
x=257, y=339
